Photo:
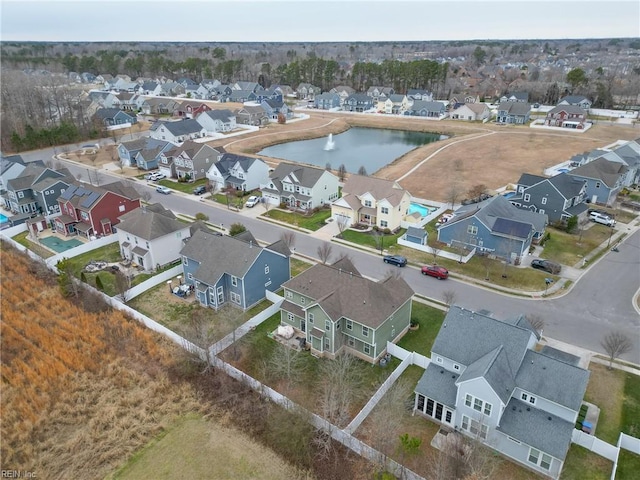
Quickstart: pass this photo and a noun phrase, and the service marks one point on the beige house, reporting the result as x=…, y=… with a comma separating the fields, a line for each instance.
x=371, y=201
x=394, y=104
x=471, y=112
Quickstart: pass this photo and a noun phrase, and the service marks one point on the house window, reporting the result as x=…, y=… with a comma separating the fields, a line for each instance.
x=365, y=331
x=472, y=230
x=234, y=281
x=597, y=184
x=474, y=427
x=384, y=210
x=289, y=294
x=467, y=400
x=545, y=461
x=456, y=366
x=185, y=261
x=190, y=276
x=541, y=211
x=302, y=300
x=527, y=197
x=477, y=404
x=290, y=317
x=544, y=200
x=487, y=409
x=267, y=284
x=311, y=318
x=366, y=349
x=447, y=416
x=266, y=270
x=367, y=203
x=384, y=223
x=534, y=456
x=121, y=208
x=349, y=325
x=439, y=359
x=327, y=325
x=235, y=298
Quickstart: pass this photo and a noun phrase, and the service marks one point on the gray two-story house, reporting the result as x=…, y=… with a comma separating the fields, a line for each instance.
x=559, y=197
x=336, y=309
x=358, y=102
x=327, y=101
x=604, y=179
x=487, y=380
x=517, y=113
x=226, y=269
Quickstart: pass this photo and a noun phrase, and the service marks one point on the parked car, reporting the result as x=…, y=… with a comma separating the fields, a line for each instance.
x=200, y=190
x=436, y=271
x=157, y=176
x=602, y=219
x=163, y=189
x=252, y=201
x=396, y=260
x=546, y=265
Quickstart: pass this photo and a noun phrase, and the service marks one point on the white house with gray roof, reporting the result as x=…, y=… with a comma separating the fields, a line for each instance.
x=300, y=186
x=239, y=172
x=487, y=381
x=151, y=236
x=216, y=121
x=178, y=132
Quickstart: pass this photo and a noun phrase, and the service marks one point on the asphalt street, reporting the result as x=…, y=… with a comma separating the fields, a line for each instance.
x=600, y=301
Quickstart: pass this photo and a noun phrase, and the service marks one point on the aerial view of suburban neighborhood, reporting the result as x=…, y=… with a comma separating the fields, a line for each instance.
x=411, y=259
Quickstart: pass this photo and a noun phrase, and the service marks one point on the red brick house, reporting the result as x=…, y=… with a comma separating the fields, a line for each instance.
x=566, y=116
x=191, y=109
x=93, y=211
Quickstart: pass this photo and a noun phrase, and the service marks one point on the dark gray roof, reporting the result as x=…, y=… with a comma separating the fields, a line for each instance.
x=103, y=113
x=494, y=367
x=150, y=224
x=567, y=108
x=223, y=115
x=279, y=247
x=299, y=174
x=341, y=294
x=416, y=232
x=228, y=160
x=601, y=169
x=536, y=428
x=438, y=384
x=567, y=185
x=560, y=355
x=429, y=106
x=555, y=380
x=573, y=99
x=246, y=237
x=219, y=255
x=512, y=228
x=528, y=179
x=466, y=336
x=630, y=155
x=183, y=127
x=515, y=108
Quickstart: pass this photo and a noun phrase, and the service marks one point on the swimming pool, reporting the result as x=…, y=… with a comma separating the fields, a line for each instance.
x=59, y=245
x=3, y=218
x=421, y=209
x=508, y=194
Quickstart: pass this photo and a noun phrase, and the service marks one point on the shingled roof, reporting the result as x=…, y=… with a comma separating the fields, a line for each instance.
x=379, y=188
x=150, y=222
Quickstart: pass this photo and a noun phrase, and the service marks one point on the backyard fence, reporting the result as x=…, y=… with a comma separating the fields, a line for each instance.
x=84, y=248
x=595, y=445
x=441, y=253
x=416, y=358
x=163, y=277
x=629, y=443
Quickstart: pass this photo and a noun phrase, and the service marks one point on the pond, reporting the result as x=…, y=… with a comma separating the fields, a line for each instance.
x=371, y=148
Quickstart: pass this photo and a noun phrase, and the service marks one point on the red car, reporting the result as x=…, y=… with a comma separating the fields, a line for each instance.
x=440, y=273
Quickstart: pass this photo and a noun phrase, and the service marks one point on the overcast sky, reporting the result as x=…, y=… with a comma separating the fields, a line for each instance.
x=315, y=21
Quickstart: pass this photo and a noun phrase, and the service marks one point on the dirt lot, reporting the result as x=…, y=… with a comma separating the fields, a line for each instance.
x=475, y=154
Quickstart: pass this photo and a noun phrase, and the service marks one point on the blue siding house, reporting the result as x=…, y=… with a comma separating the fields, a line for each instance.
x=494, y=226
x=327, y=101
x=604, y=179
x=230, y=269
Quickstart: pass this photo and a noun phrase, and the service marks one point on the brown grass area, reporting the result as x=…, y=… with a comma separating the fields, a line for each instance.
x=606, y=390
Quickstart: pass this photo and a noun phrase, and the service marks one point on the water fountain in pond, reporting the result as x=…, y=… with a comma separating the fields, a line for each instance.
x=330, y=145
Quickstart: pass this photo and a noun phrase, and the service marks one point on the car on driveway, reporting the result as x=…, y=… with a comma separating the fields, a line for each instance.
x=397, y=260
x=602, y=219
x=154, y=177
x=546, y=265
x=200, y=190
x=163, y=189
x=252, y=201
x=436, y=271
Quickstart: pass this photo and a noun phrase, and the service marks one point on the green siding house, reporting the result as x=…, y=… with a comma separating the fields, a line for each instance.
x=336, y=309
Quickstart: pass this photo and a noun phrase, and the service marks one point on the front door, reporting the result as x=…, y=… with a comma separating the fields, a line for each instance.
x=303, y=325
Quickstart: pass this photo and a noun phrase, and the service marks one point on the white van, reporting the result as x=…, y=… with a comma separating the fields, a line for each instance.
x=602, y=219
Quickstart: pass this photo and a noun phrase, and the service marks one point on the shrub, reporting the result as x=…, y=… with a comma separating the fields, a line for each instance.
x=283, y=205
x=236, y=228
x=387, y=231
x=572, y=223
x=202, y=216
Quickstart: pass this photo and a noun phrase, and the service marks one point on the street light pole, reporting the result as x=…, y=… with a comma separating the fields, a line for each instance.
x=610, y=235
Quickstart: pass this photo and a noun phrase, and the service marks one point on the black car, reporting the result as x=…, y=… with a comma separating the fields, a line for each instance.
x=200, y=190
x=546, y=265
x=396, y=260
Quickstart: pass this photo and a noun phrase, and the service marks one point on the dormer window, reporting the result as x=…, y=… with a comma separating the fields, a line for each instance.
x=367, y=203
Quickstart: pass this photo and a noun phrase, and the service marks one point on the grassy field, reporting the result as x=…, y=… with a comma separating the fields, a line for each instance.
x=22, y=239
x=298, y=266
x=569, y=249
x=581, y=464
x=311, y=222
x=185, y=187
x=628, y=465
x=606, y=390
x=197, y=448
x=429, y=320
x=370, y=239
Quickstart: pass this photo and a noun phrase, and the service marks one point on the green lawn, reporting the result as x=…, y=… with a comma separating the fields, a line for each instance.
x=421, y=340
x=569, y=249
x=581, y=464
x=36, y=248
x=368, y=239
x=631, y=406
x=186, y=187
x=311, y=222
x=628, y=465
x=108, y=253
x=299, y=266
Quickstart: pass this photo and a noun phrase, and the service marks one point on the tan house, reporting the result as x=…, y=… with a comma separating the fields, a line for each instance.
x=394, y=104
x=471, y=112
x=371, y=201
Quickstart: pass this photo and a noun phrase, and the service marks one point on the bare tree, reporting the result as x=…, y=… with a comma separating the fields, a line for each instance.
x=287, y=364
x=93, y=156
x=435, y=250
x=342, y=172
x=324, y=252
x=453, y=193
x=582, y=226
x=327, y=166
x=199, y=331
x=266, y=205
x=340, y=385
x=449, y=297
x=362, y=171
x=289, y=239
x=123, y=284
x=536, y=320
x=615, y=344
x=343, y=224
x=477, y=191
x=392, y=273
x=486, y=261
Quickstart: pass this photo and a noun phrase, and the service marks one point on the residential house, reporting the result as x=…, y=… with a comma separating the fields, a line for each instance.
x=358, y=102
x=114, y=116
x=327, y=101
x=395, y=104
x=300, y=186
x=420, y=94
x=273, y=108
x=604, y=179
x=171, y=89
x=241, y=96
x=306, y=91
x=226, y=269
x=559, y=197
x=239, y=172
x=513, y=112
x=457, y=100
x=196, y=91
x=495, y=227
x=371, y=201
x=217, y=121
x=191, y=109
x=471, y=112
x=178, y=132
x=343, y=92
x=578, y=100
x=47, y=189
x=515, y=97
x=187, y=82
x=248, y=86
x=150, y=88
x=420, y=108
x=629, y=155
x=104, y=99
x=566, y=116
x=274, y=92
x=335, y=309
x=158, y=106
x=127, y=151
x=253, y=115
x=379, y=93
x=190, y=161
x=287, y=91
x=35, y=189
x=11, y=167
x=94, y=211
x=487, y=380
x=151, y=236
x=416, y=235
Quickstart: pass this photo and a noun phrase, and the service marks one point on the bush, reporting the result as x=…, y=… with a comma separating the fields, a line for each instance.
x=387, y=231
x=572, y=223
x=282, y=205
x=236, y=228
x=202, y=216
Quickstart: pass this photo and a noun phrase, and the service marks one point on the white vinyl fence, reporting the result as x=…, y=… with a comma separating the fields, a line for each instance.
x=163, y=277
x=596, y=445
x=441, y=253
x=415, y=358
x=84, y=248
